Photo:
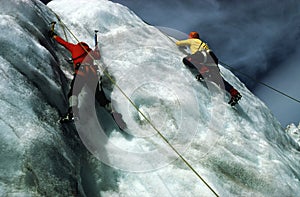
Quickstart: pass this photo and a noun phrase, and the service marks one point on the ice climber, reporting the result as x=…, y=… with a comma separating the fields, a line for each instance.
x=206, y=62
x=85, y=73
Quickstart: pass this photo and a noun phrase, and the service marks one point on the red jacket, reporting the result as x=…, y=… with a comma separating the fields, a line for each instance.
x=79, y=55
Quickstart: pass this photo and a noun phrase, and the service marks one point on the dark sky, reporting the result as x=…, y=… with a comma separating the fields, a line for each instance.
x=244, y=34
x=258, y=37
x=45, y=1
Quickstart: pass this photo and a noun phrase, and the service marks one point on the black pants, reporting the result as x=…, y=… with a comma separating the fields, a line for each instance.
x=91, y=80
x=207, y=65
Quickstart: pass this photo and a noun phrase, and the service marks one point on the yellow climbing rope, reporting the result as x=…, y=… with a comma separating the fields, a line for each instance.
x=135, y=106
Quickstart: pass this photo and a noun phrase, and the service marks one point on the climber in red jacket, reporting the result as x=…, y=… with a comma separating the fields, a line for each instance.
x=79, y=53
x=85, y=72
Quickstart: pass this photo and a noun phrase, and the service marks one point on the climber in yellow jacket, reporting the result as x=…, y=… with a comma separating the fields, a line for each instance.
x=194, y=42
x=206, y=62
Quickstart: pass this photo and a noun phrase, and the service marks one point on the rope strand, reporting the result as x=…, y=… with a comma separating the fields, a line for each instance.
x=144, y=116
x=259, y=82
x=253, y=79
x=62, y=26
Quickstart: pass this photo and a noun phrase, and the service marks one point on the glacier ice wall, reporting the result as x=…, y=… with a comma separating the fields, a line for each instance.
x=241, y=152
x=36, y=159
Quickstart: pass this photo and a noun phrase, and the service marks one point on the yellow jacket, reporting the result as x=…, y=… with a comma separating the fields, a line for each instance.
x=194, y=43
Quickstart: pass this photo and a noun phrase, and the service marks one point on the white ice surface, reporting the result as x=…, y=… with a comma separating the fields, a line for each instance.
x=239, y=152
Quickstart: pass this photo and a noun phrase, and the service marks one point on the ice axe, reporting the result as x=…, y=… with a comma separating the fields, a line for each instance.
x=96, y=38
x=52, y=26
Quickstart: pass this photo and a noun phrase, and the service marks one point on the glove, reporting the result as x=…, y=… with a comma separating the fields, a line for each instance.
x=199, y=77
x=51, y=33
